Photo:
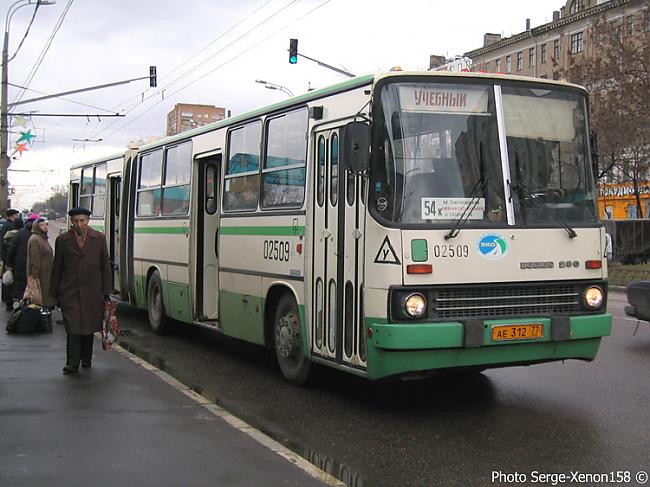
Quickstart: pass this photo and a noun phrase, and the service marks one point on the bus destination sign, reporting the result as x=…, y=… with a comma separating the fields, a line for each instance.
x=443, y=100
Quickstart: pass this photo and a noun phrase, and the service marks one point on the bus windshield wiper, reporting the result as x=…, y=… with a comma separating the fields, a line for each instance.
x=475, y=196
x=525, y=196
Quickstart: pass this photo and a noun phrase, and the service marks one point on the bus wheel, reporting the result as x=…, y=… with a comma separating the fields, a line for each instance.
x=287, y=337
x=155, y=307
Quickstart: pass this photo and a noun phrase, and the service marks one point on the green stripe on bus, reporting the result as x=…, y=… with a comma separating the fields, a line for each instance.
x=159, y=230
x=283, y=231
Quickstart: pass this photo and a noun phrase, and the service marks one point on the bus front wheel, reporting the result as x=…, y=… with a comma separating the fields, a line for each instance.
x=155, y=306
x=288, y=342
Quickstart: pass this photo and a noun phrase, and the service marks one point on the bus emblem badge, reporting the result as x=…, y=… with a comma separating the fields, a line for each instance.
x=492, y=247
x=387, y=254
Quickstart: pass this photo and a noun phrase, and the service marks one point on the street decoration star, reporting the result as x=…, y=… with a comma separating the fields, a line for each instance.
x=20, y=148
x=26, y=137
x=20, y=121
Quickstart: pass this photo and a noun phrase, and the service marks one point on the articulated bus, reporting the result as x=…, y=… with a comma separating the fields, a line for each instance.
x=390, y=225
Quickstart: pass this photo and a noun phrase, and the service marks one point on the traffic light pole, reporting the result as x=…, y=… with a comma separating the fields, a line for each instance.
x=81, y=90
x=293, y=59
x=4, y=117
x=325, y=65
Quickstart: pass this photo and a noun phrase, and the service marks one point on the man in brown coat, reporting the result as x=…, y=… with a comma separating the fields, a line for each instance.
x=81, y=280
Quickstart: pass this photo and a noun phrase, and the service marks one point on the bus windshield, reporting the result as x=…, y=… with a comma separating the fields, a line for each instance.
x=547, y=141
x=437, y=155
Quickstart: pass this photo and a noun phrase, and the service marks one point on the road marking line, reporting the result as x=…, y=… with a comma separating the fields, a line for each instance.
x=235, y=422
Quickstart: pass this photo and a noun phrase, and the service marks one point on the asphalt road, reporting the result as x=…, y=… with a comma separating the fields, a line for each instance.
x=455, y=429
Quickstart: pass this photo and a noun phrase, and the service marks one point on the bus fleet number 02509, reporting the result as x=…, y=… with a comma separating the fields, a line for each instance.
x=450, y=251
x=277, y=250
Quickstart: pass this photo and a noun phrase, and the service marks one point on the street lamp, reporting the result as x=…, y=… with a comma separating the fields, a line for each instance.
x=4, y=125
x=274, y=86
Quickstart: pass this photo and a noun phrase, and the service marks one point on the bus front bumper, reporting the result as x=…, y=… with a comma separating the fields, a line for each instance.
x=401, y=348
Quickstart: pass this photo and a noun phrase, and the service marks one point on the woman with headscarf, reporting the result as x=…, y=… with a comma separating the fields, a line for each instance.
x=39, y=260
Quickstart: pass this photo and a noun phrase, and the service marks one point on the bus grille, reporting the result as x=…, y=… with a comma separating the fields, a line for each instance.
x=499, y=301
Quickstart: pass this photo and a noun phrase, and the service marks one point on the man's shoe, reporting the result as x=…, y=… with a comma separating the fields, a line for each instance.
x=69, y=370
x=86, y=365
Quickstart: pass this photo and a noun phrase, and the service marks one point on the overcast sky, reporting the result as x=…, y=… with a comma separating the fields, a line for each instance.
x=211, y=52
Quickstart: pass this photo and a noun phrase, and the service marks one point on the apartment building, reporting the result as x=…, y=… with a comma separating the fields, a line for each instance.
x=187, y=116
x=544, y=50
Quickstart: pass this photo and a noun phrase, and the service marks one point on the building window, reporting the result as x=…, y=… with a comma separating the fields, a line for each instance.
x=497, y=65
x=520, y=60
x=508, y=64
x=487, y=67
x=576, y=43
x=531, y=57
x=556, y=49
x=630, y=24
x=631, y=211
x=577, y=6
x=543, y=48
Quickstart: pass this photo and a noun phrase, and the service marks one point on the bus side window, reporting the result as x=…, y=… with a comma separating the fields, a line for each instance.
x=242, y=180
x=285, y=158
x=149, y=183
x=177, y=174
x=211, y=189
x=86, y=191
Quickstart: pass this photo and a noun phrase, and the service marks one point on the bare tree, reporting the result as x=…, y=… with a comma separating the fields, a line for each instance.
x=617, y=76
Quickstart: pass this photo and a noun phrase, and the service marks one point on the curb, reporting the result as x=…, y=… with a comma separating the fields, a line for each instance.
x=131, y=353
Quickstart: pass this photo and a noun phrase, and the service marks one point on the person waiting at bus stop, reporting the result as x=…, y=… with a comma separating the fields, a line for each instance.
x=17, y=257
x=81, y=280
x=7, y=233
x=39, y=265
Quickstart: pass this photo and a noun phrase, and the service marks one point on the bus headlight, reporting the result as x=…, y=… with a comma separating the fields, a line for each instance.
x=593, y=297
x=415, y=305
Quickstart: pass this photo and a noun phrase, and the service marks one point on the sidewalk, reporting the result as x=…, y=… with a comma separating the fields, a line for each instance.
x=120, y=424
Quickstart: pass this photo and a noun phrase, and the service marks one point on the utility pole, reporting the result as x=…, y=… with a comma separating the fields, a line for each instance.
x=4, y=116
x=4, y=131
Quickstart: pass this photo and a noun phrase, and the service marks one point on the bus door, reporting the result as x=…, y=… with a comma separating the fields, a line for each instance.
x=113, y=230
x=337, y=332
x=207, y=252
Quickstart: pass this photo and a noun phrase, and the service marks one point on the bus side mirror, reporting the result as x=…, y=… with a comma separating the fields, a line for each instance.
x=593, y=144
x=356, y=146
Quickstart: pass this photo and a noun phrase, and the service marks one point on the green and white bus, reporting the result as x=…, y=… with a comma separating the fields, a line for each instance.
x=389, y=225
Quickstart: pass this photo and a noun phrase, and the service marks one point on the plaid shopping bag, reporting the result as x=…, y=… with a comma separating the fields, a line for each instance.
x=110, y=325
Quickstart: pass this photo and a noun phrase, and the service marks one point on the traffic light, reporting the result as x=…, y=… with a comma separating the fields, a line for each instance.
x=153, y=82
x=293, y=51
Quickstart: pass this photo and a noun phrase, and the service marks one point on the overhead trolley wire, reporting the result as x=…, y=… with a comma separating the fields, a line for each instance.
x=220, y=36
x=196, y=66
x=44, y=51
x=217, y=68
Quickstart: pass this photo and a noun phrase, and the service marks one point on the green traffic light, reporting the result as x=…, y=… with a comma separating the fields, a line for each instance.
x=293, y=51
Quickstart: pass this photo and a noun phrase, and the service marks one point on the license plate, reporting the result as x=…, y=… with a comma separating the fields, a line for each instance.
x=529, y=331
